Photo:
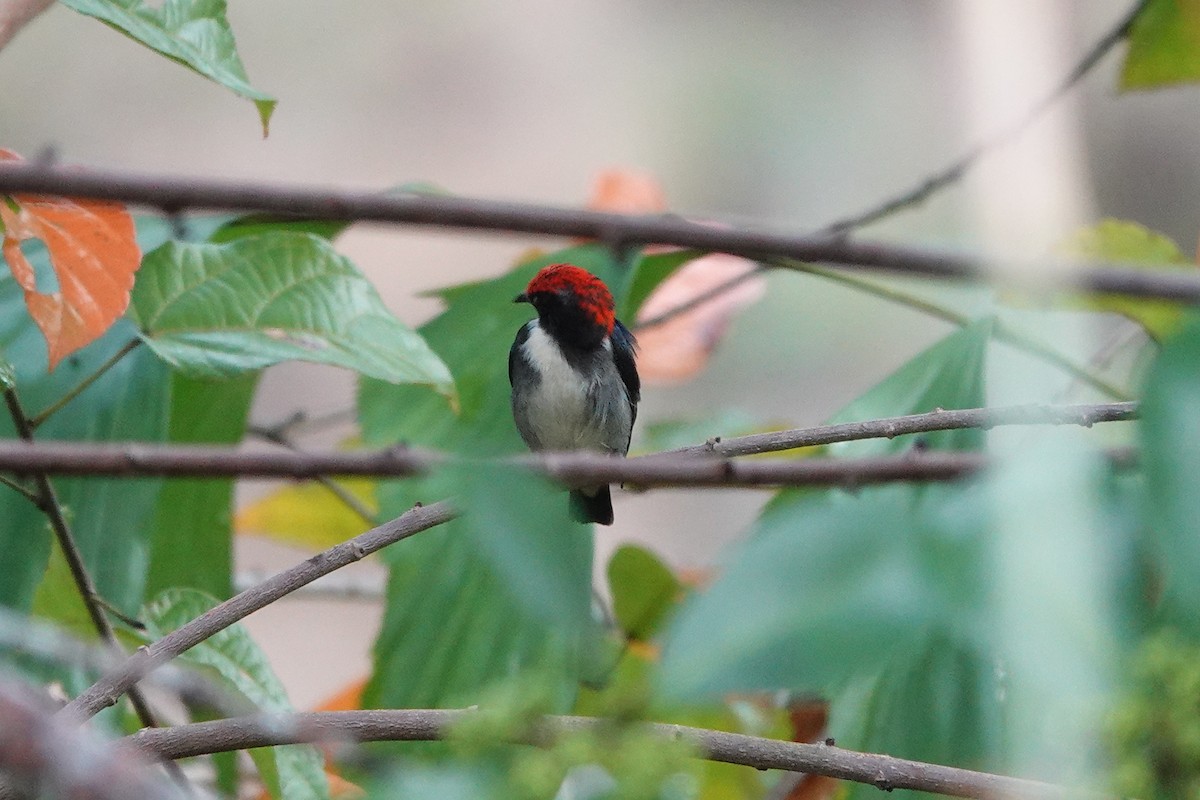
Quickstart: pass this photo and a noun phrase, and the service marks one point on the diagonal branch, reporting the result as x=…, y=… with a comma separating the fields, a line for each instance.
x=619, y=230
x=50, y=506
x=569, y=468
x=954, y=171
x=939, y=420
x=112, y=685
x=882, y=771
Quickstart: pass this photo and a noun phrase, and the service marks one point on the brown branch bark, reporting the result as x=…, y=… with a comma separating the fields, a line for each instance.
x=113, y=684
x=580, y=468
x=882, y=771
x=953, y=172
x=618, y=230
x=940, y=420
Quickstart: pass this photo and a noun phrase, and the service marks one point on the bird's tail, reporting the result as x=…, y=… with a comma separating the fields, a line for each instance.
x=592, y=505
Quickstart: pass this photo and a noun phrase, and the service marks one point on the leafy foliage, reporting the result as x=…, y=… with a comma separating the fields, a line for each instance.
x=1122, y=242
x=291, y=771
x=476, y=574
x=1164, y=45
x=194, y=33
x=93, y=254
x=215, y=310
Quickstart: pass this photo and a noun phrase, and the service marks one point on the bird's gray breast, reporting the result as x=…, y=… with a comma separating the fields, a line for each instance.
x=570, y=403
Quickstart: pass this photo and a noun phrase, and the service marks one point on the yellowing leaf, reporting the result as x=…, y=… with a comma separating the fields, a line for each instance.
x=1164, y=45
x=1118, y=241
x=94, y=253
x=308, y=515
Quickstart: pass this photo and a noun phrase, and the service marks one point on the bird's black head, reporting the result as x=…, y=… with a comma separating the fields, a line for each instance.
x=573, y=305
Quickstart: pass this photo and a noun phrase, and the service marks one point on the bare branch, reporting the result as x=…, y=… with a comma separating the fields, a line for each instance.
x=108, y=689
x=882, y=771
x=954, y=171
x=939, y=420
x=619, y=230
x=278, y=435
x=569, y=468
x=580, y=468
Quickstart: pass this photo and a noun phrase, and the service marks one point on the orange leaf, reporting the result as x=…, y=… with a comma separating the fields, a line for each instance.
x=348, y=698
x=94, y=253
x=623, y=191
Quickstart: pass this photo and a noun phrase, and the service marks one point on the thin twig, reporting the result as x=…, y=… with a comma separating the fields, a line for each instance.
x=884, y=772
x=1001, y=331
x=277, y=434
x=953, y=172
x=22, y=490
x=940, y=420
x=36, y=420
x=113, y=684
x=945, y=177
x=173, y=194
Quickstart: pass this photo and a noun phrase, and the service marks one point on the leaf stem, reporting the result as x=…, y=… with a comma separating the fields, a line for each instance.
x=1000, y=331
x=278, y=435
x=21, y=489
x=36, y=421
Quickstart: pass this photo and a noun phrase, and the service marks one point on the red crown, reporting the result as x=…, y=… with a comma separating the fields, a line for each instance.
x=591, y=293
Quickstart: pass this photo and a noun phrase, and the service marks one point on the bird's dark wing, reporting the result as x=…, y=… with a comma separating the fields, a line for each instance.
x=522, y=335
x=623, y=349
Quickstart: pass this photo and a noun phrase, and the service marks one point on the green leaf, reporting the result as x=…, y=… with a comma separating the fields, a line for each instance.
x=1164, y=45
x=215, y=310
x=1170, y=433
x=292, y=771
x=520, y=524
x=949, y=374
x=1117, y=241
x=257, y=224
x=58, y=599
x=643, y=590
x=648, y=272
x=109, y=516
x=194, y=33
x=825, y=589
x=935, y=700
x=481, y=632
x=191, y=541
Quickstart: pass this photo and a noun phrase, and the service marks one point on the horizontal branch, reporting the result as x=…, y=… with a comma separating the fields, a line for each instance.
x=939, y=420
x=173, y=194
x=116, y=682
x=676, y=468
x=882, y=771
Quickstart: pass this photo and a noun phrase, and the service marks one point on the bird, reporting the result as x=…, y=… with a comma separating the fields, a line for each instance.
x=574, y=377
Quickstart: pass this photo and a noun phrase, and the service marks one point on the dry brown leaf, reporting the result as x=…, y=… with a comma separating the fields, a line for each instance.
x=678, y=349
x=94, y=253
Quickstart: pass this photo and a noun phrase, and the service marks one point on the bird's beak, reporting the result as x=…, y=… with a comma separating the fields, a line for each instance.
x=521, y=298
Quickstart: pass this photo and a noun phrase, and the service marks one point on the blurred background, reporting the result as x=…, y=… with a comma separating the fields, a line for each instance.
x=780, y=114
